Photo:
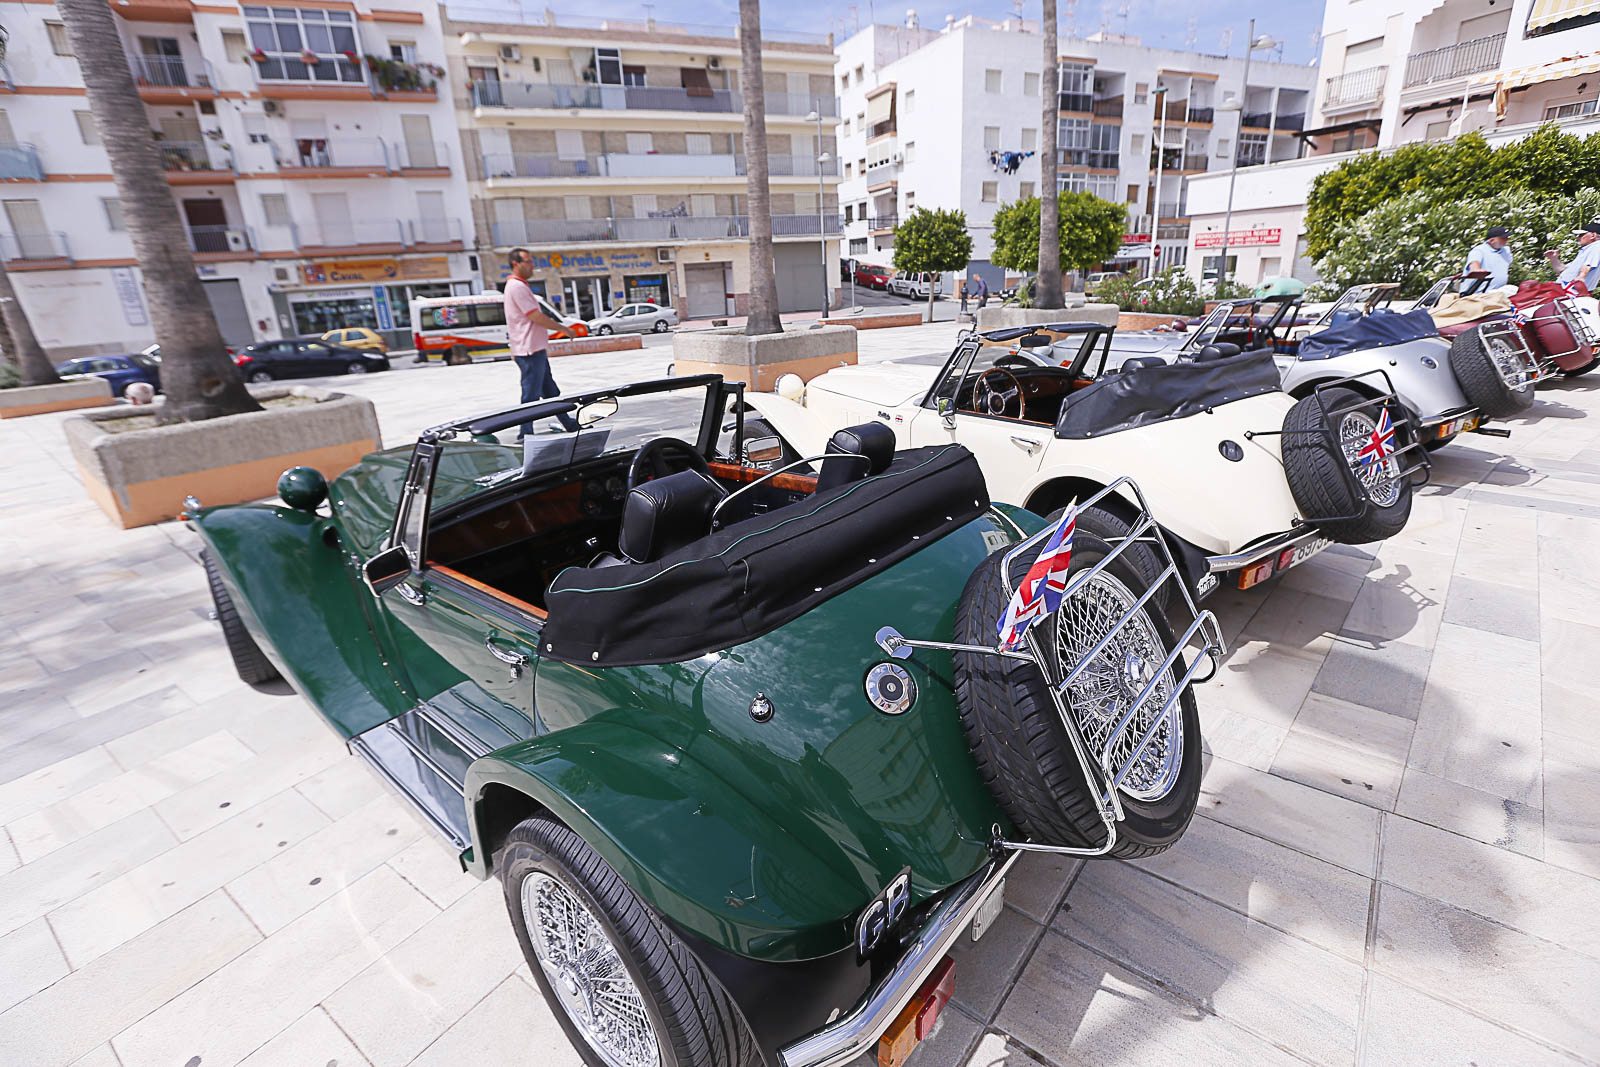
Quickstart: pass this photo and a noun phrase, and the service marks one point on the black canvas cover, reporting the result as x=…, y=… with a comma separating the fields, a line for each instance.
x=1370, y=331
x=1147, y=395
x=752, y=577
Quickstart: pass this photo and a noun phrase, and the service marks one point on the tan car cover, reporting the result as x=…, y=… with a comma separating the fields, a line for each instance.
x=1453, y=308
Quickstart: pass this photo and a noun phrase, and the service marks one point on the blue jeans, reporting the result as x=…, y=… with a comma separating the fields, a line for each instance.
x=537, y=384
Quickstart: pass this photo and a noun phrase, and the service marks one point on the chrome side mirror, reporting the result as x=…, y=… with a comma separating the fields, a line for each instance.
x=759, y=451
x=386, y=570
x=947, y=411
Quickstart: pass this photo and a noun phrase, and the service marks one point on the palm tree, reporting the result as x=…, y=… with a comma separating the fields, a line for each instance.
x=763, y=317
x=196, y=374
x=22, y=347
x=1047, y=285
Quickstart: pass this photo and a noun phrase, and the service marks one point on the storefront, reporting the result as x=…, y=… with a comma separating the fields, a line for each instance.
x=375, y=293
x=590, y=283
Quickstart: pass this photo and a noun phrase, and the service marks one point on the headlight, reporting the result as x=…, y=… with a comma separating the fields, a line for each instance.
x=790, y=387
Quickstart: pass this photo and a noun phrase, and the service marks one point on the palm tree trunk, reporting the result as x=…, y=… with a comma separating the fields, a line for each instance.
x=196, y=374
x=22, y=347
x=1047, y=286
x=763, y=310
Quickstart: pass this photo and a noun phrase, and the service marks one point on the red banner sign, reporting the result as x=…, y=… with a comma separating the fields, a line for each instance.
x=1136, y=238
x=1239, y=238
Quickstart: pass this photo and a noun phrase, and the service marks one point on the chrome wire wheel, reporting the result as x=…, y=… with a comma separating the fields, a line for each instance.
x=1381, y=478
x=587, y=974
x=1508, y=362
x=1102, y=694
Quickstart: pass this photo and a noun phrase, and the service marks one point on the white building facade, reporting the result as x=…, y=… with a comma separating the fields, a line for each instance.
x=935, y=118
x=311, y=151
x=1399, y=73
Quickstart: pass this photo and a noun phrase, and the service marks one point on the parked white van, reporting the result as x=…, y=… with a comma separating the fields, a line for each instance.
x=915, y=284
x=457, y=328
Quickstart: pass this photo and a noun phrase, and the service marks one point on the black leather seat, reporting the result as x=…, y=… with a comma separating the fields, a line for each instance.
x=873, y=440
x=662, y=516
x=1220, y=350
x=1141, y=363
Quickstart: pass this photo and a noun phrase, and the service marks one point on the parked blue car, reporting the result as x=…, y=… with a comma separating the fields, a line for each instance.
x=120, y=371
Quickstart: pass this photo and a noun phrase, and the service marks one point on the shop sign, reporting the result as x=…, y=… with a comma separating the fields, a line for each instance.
x=570, y=263
x=1136, y=238
x=634, y=261
x=380, y=304
x=127, y=287
x=330, y=294
x=374, y=270
x=1240, y=238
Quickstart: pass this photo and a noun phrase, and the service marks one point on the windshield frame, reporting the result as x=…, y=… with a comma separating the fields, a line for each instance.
x=491, y=422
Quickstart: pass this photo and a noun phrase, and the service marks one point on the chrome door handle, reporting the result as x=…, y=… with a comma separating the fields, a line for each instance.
x=1027, y=444
x=412, y=594
x=515, y=660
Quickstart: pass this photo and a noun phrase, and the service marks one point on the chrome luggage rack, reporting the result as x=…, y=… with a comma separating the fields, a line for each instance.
x=1103, y=774
x=1567, y=313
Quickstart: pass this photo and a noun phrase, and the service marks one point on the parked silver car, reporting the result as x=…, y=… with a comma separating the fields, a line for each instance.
x=635, y=318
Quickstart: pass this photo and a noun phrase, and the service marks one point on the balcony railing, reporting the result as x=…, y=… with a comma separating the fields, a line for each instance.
x=219, y=239
x=34, y=246
x=194, y=155
x=368, y=152
x=1353, y=89
x=1174, y=210
x=171, y=72
x=433, y=231
x=1260, y=120
x=1202, y=114
x=1297, y=121
x=1108, y=107
x=797, y=167
x=653, y=230
x=645, y=165
x=19, y=160
x=1251, y=156
x=883, y=222
x=642, y=98
x=347, y=233
x=415, y=155
x=883, y=172
x=1179, y=161
x=1176, y=110
x=1454, y=61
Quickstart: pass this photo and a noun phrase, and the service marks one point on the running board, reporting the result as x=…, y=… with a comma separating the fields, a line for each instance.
x=418, y=779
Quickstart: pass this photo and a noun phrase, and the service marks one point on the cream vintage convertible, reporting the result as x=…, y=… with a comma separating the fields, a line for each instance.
x=1246, y=480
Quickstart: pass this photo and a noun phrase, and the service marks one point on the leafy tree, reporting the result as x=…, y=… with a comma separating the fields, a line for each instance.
x=1091, y=232
x=935, y=241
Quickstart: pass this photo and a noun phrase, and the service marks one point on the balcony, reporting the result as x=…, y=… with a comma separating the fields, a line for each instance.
x=1174, y=210
x=345, y=234
x=641, y=98
x=882, y=223
x=219, y=240
x=163, y=79
x=1251, y=155
x=1174, y=110
x=1202, y=115
x=882, y=174
x=646, y=165
x=278, y=70
x=1359, y=88
x=432, y=232
x=418, y=155
x=25, y=249
x=1181, y=163
x=653, y=230
x=318, y=155
x=1108, y=108
x=195, y=162
x=20, y=162
x=1077, y=103
x=1454, y=61
x=1291, y=123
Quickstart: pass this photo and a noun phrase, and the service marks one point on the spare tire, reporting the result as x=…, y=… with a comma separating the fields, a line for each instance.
x=1473, y=361
x=1377, y=502
x=1021, y=745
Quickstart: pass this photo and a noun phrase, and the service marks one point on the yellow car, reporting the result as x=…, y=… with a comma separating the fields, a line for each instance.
x=358, y=337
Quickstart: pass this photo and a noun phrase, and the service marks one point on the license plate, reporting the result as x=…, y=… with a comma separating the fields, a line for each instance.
x=1291, y=557
x=989, y=911
x=1465, y=424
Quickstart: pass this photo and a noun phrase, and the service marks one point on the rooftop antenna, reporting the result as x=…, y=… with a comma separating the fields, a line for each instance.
x=1227, y=39
x=1123, y=10
x=1072, y=17
x=1316, y=44
x=1192, y=37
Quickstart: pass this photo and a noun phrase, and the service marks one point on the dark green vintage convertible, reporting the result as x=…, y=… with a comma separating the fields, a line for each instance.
x=740, y=742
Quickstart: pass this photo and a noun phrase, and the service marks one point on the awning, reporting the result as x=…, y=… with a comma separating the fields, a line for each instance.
x=880, y=109
x=1565, y=67
x=1548, y=12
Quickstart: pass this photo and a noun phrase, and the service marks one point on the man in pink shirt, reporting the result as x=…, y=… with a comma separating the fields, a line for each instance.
x=529, y=328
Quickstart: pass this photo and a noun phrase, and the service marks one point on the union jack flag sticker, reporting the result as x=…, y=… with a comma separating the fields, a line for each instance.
x=1380, y=443
x=1040, y=591
x=1518, y=318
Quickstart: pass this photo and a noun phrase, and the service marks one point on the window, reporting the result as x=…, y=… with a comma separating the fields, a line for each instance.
x=1253, y=149
x=844, y=128
x=844, y=80
x=113, y=210
x=275, y=209
x=1560, y=111
x=633, y=76
x=847, y=174
x=1222, y=145
x=911, y=152
x=1030, y=84
x=861, y=74
x=607, y=66
x=1077, y=86
x=1133, y=194
x=1141, y=93
x=1137, y=141
x=849, y=209
x=858, y=246
x=991, y=138
x=640, y=144
x=287, y=36
x=1025, y=190
x=697, y=144
x=1088, y=144
x=992, y=81
x=403, y=51
x=86, y=128
x=991, y=192
x=233, y=46
x=1102, y=185
x=910, y=101
x=1030, y=139
x=59, y=42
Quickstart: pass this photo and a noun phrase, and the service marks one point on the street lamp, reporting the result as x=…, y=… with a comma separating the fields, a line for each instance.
x=1256, y=44
x=822, y=227
x=1161, y=158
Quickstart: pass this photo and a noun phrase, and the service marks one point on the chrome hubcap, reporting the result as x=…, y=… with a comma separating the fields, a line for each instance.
x=1508, y=361
x=1381, y=477
x=1102, y=694
x=587, y=973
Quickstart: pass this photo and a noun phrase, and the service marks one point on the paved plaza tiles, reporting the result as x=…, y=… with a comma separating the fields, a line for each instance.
x=1396, y=859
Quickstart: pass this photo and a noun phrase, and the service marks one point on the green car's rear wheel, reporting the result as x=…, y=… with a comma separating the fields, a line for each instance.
x=625, y=988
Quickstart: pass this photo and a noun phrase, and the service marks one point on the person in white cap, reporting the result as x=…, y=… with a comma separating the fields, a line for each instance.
x=1586, y=267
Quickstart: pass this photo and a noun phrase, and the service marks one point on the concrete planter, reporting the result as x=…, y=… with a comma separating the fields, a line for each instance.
x=760, y=361
x=141, y=476
x=877, y=322
x=996, y=318
x=611, y=342
x=1143, y=320
x=38, y=399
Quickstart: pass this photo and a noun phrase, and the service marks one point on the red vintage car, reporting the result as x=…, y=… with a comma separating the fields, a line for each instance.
x=873, y=277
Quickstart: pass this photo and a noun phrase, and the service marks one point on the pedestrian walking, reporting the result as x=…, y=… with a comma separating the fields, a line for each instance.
x=1493, y=255
x=1585, y=268
x=983, y=292
x=529, y=330
x=963, y=284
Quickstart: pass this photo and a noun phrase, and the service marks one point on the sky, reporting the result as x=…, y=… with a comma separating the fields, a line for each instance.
x=1204, y=27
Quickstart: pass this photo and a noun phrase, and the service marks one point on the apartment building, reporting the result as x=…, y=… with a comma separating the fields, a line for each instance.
x=311, y=150
x=614, y=151
x=949, y=117
x=1406, y=71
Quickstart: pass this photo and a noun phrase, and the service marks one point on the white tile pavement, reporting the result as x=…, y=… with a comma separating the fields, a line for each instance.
x=1396, y=858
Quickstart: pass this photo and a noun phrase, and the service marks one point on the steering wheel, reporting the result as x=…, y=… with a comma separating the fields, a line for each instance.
x=991, y=399
x=652, y=461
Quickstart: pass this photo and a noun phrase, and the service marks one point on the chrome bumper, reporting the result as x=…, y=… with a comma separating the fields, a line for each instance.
x=856, y=1032
x=1256, y=553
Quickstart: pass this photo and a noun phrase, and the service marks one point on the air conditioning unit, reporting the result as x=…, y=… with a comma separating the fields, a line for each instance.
x=271, y=107
x=237, y=241
x=898, y=158
x=666, y=255
x=714, y=63
x=511, y=53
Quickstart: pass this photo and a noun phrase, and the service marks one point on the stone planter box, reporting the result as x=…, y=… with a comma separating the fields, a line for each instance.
x=38, y=399
x=141, y=476
x=760, y=361
x=1143, y=320
x=877, y=322
x=614, y=342
x=996, y=318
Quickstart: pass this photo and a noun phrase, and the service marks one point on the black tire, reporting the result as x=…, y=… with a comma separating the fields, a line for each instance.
x=248, y=659
x=260, y=376
x=1111, y=529
x=457, y=356
x=695, y=1022
x=1474, y=369
x=356, y=367
x=1578, y=372
x=1021, y=746
x=602, y=330
x=1317, y=470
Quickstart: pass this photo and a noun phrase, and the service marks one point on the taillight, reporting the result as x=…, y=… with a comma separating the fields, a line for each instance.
x=916, y=1019
x=241, y=360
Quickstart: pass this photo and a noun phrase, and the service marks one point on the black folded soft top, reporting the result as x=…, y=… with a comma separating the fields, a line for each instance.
x=748, y=579
x=1141, y=397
